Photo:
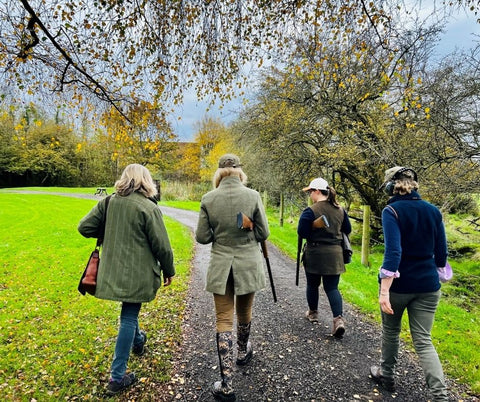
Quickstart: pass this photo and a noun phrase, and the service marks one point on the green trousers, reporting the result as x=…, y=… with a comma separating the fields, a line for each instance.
x=421, y=309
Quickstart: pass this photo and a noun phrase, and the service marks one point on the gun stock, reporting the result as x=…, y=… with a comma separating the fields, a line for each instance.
x=320, y=222
x=244, y=222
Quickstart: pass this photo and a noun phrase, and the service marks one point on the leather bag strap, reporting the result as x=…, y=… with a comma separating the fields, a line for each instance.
x=104, y=222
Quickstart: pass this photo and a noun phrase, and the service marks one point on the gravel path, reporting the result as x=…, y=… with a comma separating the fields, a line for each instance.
x=294, y=360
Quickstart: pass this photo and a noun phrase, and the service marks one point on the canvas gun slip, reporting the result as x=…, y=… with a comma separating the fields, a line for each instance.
x=319, y=223
x=245, y=223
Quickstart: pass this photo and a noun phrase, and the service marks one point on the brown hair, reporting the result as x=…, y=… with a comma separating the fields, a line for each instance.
x=332, y=196
x=405, y=185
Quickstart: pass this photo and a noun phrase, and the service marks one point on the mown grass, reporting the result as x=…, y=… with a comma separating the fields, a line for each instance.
x=55, y=343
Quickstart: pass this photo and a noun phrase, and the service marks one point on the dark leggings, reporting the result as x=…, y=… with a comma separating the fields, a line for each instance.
x=330, y=286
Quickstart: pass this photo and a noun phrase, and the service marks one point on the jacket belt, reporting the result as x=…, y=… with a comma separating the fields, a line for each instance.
x=234, y=242
x=323, y=243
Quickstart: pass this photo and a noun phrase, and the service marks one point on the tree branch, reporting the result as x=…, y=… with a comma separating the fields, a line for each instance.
x=94, y=88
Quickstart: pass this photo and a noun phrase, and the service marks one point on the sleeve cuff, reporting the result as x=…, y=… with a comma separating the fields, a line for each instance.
x=388, y=274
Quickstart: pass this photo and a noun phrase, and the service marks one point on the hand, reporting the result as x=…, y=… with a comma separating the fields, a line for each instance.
x=167, y=281
x=384, y=301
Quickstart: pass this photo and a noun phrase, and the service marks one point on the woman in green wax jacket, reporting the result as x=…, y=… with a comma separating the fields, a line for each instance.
x=236, y=268
x=136, y=253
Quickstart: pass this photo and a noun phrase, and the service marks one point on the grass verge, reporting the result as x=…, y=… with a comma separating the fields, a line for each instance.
x=55, y=343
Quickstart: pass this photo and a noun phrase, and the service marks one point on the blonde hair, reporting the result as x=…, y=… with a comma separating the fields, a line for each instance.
x=228, y=171
x=136, y=177
x=405, y=185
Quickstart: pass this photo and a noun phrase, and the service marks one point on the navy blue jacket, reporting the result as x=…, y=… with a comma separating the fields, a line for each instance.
x=415, y=243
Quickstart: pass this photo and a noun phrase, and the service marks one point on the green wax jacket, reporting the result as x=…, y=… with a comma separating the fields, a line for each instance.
x=233, y=248
x=136, y=248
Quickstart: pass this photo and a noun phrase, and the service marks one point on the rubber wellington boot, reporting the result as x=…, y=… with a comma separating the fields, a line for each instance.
x=244, y=347
x=223, y=390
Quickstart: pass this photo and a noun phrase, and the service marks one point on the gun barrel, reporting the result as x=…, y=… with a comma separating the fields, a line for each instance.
x=299, y=251
x=269, y=270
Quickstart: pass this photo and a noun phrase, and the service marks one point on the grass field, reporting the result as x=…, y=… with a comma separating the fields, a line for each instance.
x=56, y=344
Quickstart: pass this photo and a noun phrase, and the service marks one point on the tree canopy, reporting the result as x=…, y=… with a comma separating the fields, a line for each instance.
x=123, y=50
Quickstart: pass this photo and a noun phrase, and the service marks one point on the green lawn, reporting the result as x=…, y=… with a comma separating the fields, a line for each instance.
x=55, y=343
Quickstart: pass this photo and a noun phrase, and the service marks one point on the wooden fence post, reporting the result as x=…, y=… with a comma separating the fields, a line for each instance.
x=366, y=235
x=282, y=209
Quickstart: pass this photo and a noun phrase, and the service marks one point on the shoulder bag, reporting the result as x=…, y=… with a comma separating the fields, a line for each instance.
x=88, y=281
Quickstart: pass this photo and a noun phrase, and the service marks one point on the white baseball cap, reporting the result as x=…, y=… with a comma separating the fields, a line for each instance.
x=317, y=184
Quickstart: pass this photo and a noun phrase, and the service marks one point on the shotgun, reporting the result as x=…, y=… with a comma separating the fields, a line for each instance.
x=245, y=223
x=269, y=269
x=320, y=222
x=299, y=251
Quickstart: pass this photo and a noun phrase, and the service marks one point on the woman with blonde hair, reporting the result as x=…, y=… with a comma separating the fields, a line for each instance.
x=136, y=253
x=236, y=270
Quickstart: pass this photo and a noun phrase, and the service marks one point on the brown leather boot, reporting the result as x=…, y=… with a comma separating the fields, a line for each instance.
x=338, y=327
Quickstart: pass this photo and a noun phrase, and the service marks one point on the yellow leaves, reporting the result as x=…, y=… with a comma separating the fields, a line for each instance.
x=427, y=113
x=364, y=97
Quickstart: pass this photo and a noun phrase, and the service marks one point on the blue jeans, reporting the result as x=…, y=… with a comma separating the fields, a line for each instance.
x=128, y=334
x=330, y=286
x=421, y=309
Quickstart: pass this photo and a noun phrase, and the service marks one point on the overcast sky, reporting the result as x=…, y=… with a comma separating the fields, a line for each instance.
x=461, y=32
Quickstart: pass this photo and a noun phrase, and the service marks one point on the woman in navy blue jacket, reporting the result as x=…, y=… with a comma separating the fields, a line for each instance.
x=415, y=245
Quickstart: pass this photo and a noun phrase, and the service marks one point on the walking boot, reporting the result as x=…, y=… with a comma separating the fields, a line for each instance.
x=244, y=347
x=338, y=327
x=312, y=315
x=223, y=390
x=387, y=383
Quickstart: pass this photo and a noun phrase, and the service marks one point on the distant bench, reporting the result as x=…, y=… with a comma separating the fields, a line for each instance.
x=101, y=191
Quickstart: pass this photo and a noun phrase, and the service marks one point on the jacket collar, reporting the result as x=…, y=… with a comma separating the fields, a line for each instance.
x=229, y=180
x=413, y=196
